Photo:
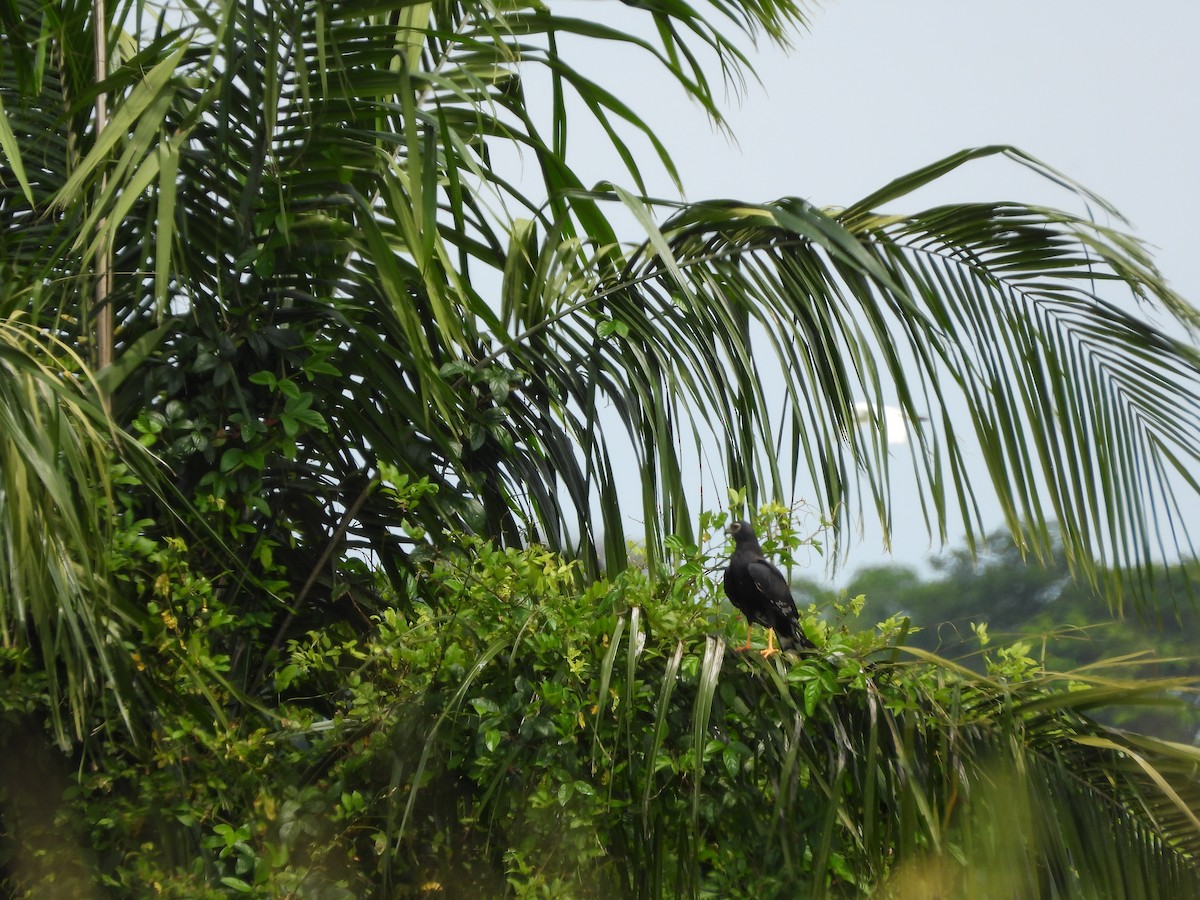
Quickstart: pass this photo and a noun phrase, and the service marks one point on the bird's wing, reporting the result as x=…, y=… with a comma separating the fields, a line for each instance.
x=773, y=586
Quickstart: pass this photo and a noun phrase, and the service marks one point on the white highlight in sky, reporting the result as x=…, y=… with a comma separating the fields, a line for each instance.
x=889, y=416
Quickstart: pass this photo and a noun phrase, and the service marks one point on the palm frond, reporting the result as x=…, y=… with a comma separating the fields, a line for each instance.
x=56, y=504
x=1085, y=413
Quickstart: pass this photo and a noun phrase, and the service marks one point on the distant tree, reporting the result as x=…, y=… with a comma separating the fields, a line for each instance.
x=1063, y=621
x=993, y=583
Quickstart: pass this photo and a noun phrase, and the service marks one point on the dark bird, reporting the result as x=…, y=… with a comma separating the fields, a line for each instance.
x=761, y=593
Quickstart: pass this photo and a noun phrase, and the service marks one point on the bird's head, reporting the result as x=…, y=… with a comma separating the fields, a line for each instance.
x=740, y=531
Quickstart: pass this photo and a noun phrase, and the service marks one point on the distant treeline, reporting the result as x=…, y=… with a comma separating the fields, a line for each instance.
x=1066, y=623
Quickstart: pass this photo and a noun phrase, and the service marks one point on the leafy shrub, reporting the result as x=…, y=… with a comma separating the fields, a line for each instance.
x=535, y=736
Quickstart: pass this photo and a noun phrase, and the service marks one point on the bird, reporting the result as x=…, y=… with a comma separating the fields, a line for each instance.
x=760, y=592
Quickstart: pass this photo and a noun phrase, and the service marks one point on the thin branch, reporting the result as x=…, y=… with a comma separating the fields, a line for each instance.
x=102, y=308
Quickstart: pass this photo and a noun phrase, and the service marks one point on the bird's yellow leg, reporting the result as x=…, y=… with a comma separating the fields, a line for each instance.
x=771, y=648
x=746, y=646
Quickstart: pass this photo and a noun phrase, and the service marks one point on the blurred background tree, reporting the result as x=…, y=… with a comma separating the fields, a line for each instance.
x=1061, y=620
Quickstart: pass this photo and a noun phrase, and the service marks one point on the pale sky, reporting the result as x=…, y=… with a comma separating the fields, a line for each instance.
x=1104, y=91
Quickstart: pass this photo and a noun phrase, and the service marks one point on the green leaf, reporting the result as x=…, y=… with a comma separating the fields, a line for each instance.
x=132, y=358
x=231, y=459
x=12, y=152
x=491, y=739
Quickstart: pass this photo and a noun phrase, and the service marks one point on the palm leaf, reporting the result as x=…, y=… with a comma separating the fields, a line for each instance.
x=56, y=499
x=1007, y=310
x=326, y=182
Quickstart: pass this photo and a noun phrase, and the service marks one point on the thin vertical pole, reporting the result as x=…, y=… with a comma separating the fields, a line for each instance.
x=102, y=308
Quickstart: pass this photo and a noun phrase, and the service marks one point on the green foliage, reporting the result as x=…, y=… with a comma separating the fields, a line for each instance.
x=57, y=447
x=325, y=276
x=318, y=648
x=528, y=736
x=326, y=258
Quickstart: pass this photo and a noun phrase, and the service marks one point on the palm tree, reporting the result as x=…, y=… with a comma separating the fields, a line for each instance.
x=306, y=196
x=327, y=282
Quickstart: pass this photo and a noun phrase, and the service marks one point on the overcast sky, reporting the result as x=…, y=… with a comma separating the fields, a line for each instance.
x=1105, y=91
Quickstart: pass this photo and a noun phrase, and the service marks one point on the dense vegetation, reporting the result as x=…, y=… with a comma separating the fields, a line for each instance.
x=308, y=416
x=537, y=738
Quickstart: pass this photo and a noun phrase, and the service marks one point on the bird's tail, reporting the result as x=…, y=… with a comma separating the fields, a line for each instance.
x=796, y=640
